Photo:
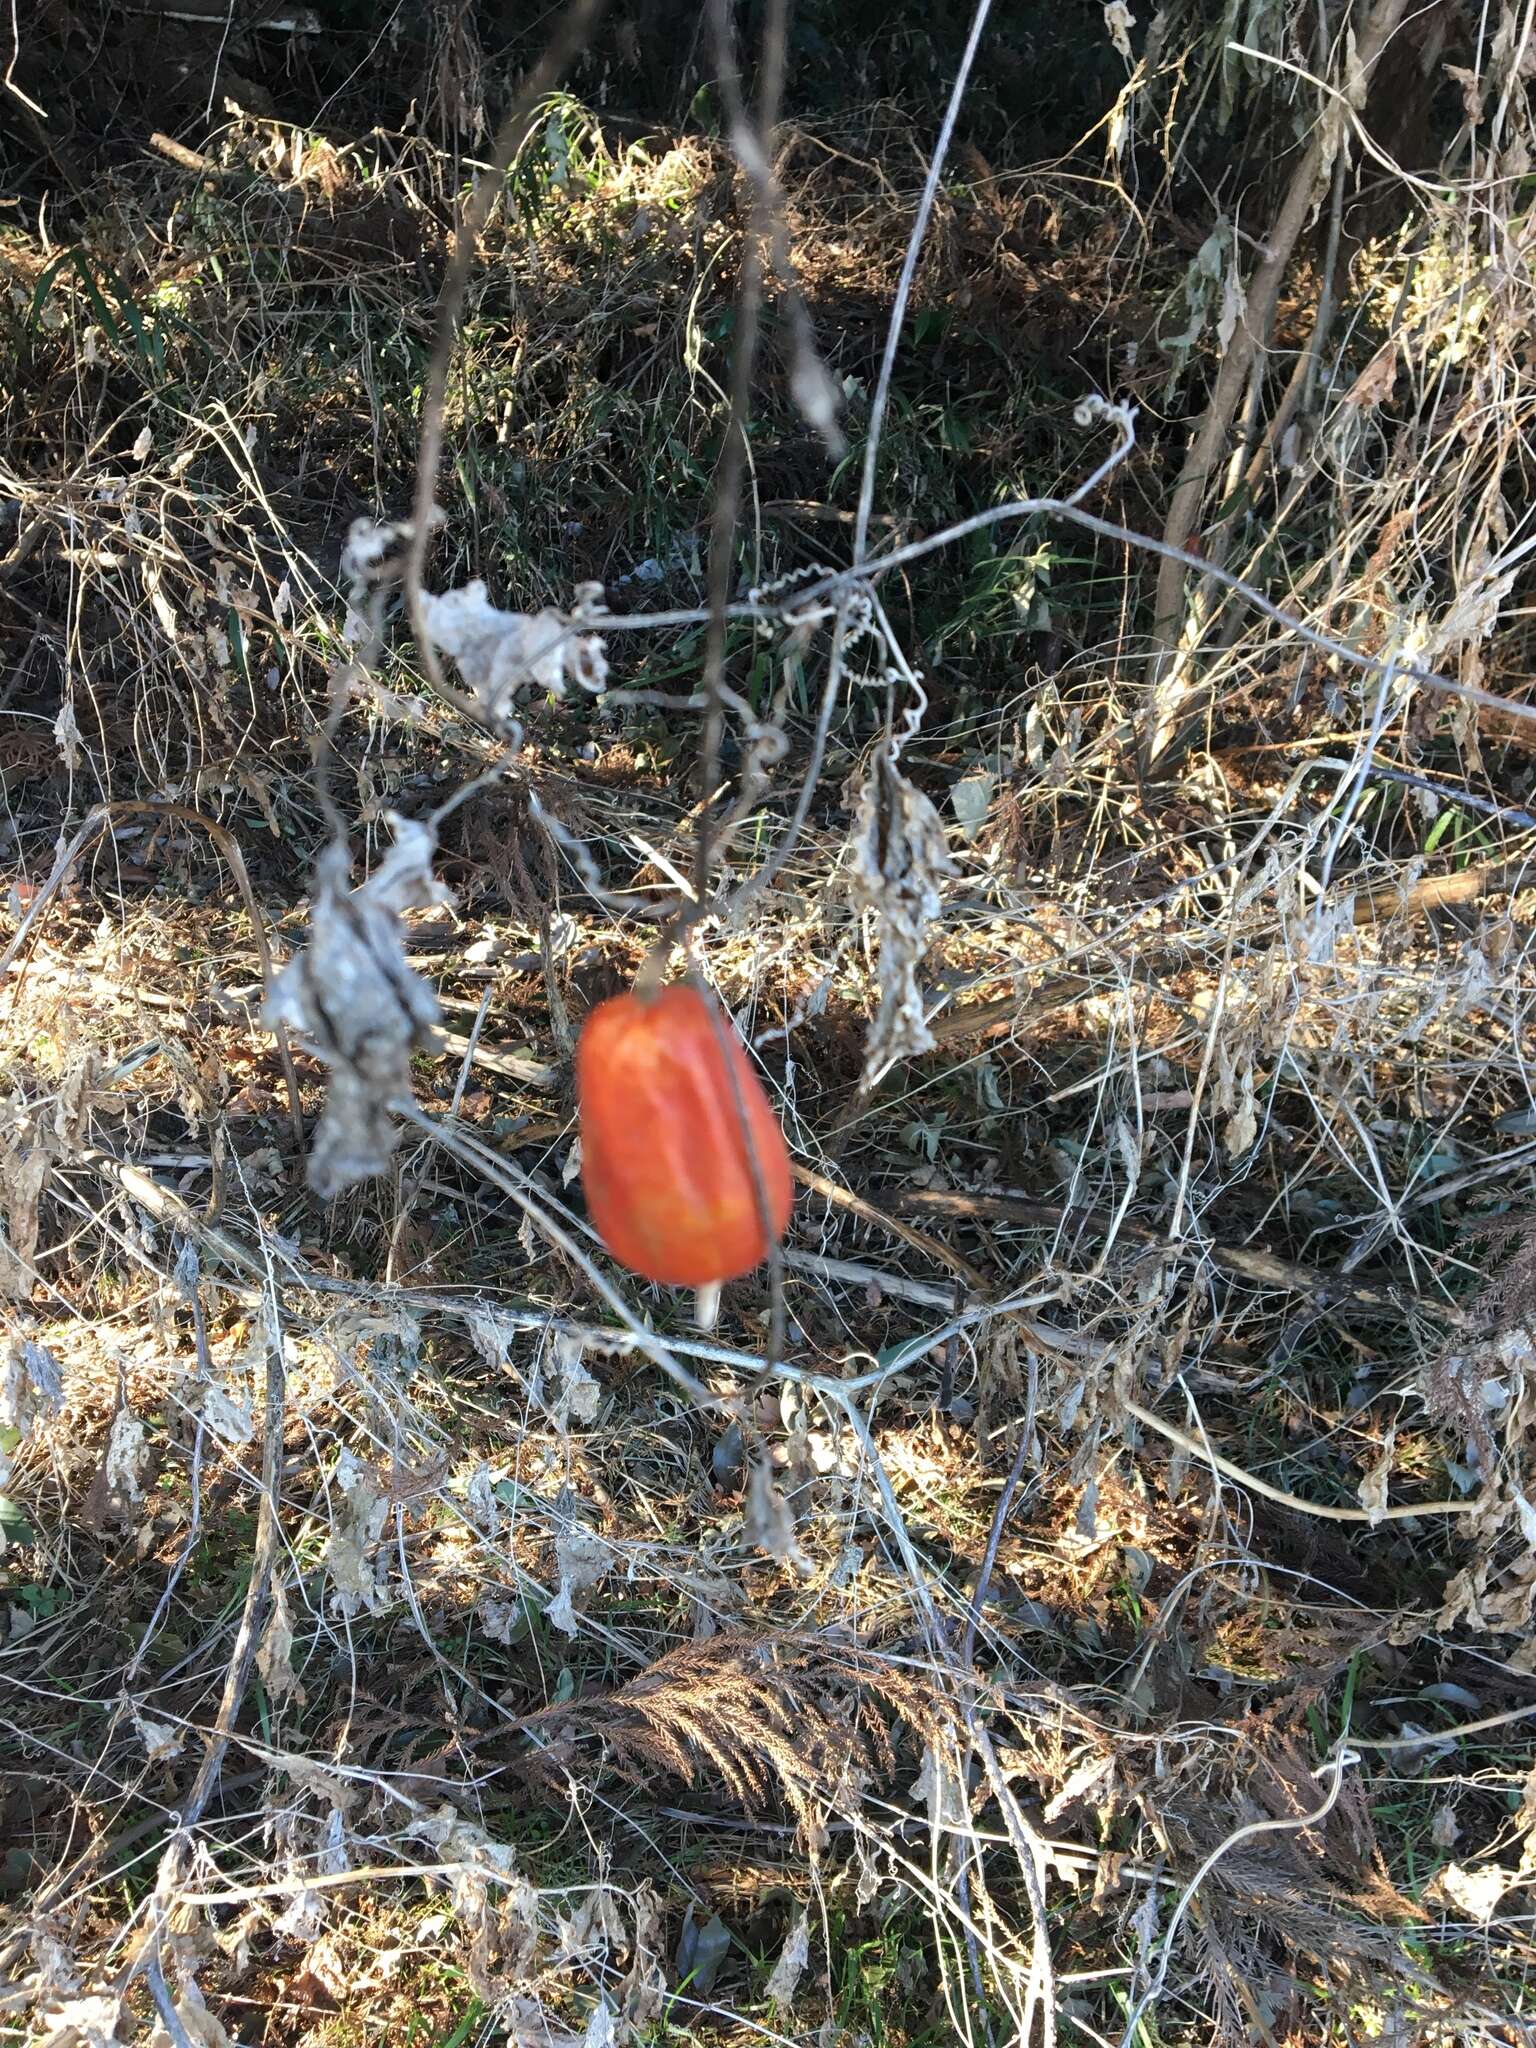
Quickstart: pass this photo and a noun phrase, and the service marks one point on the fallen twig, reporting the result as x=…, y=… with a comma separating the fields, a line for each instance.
x=897, y=1285
x=1264, y=1269
x=857, y=1205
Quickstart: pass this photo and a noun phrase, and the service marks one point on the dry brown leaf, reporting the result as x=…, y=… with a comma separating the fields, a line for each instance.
x=274, y=1653
x=582, y=1560
x=1375, y=383
x=22, y=1178
x=768, y=1524
x=1373, y=1486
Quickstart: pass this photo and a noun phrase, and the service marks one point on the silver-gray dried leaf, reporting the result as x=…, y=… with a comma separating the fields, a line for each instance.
x=498, y=653
x=352, y=995
x=790, y=1968
x=768, y=1523
x=900, y=855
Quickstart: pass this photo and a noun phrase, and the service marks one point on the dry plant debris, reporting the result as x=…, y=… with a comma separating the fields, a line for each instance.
x=357, y=1002
x=1108, y=1617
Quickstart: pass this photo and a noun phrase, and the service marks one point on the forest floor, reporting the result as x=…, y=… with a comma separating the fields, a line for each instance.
x=1118, y=1594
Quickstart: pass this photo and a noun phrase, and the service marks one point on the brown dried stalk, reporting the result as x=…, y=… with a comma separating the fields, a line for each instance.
x=1202, y=463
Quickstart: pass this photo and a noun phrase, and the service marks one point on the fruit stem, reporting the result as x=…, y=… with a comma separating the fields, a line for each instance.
x=653, y=968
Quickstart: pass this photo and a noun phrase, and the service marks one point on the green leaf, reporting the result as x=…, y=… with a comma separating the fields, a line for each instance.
x=93, y=292
x=1437, y=831
x=701, y=108
x=44, y=286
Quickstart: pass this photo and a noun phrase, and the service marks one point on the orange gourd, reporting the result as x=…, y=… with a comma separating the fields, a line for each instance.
x=668, y=1105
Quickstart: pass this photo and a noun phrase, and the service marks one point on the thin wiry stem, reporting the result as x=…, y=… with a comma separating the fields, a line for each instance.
x=898, y=317
x=823, y=591
x=258, y=1588
x=1322, y=1511
x=831, y=689
x=1109, y=529
x=733, y=457
x=461, y=1146
x=1337, y=1764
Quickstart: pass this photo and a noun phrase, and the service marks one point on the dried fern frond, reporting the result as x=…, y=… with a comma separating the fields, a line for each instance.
x=754, y=1716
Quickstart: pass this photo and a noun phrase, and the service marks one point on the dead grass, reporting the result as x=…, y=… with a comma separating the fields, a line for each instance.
x=1112, y=1614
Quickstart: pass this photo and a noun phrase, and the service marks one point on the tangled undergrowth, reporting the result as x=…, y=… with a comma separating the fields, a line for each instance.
x=1110, y=1616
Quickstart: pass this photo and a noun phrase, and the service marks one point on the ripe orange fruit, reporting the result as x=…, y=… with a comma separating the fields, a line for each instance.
x=672, y=1118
